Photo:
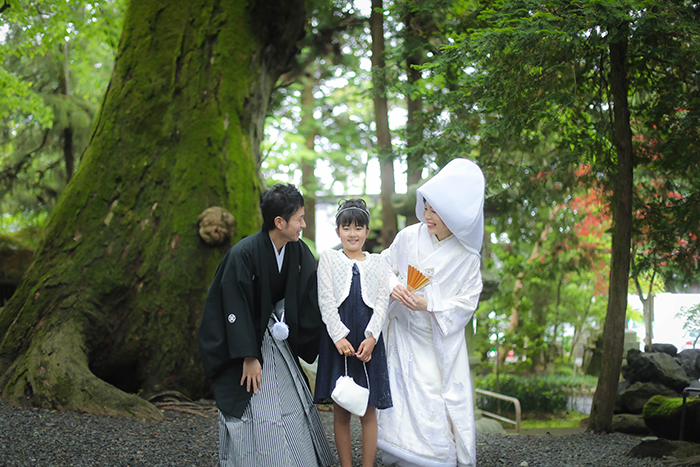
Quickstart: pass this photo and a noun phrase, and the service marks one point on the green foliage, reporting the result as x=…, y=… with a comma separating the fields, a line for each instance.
x=691, y=315
x=24, y=220
x=55, y=62
x=537, y=394
x=331, y=131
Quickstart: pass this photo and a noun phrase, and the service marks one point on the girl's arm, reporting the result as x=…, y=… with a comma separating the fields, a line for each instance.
x=344, y=347
x=326, y=299
x=364, y=352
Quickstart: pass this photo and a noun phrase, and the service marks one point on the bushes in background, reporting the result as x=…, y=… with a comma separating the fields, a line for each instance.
x=537, y=394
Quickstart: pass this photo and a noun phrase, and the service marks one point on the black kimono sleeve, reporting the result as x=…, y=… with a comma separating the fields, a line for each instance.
x=227, y=331
x=310, y=323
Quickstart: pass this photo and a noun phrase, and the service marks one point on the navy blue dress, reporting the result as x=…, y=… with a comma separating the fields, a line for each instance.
x=355, y=315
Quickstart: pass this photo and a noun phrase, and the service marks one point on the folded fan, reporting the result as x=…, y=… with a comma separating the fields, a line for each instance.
x=416, y=279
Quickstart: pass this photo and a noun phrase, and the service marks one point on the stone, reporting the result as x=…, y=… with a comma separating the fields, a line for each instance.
x=631, y=342
x=689, y=360
x=670, y=349
x=216, y=225
x=593, y=354
x=657, y=367
x=663, y=448
x=634, y=397
x=631, y=424
x=632, y=355
x=489, y=425
x=662, y=415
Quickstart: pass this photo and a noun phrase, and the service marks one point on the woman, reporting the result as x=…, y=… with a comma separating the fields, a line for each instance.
x=432, y=420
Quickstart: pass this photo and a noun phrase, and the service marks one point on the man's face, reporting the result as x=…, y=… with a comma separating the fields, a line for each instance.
x=291, y=231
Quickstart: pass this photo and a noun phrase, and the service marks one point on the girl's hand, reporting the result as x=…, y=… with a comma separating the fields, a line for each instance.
x=409, y=299
x=345, y=347
x=366, y=347
x=252, y=374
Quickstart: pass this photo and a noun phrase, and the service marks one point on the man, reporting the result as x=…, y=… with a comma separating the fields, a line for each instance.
x=266, y=412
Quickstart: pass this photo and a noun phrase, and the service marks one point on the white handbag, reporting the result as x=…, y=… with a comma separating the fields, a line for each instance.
x=350, y=395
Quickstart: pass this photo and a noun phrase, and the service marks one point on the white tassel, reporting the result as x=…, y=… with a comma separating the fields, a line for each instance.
x=280, y=330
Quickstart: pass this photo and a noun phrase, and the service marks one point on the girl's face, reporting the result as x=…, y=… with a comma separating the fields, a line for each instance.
x=352, y=237
x=435, y=225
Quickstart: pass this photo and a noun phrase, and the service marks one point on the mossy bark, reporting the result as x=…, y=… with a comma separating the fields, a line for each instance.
x=111, y=304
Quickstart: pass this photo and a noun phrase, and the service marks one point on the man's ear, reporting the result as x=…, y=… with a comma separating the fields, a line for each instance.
x=279, y=222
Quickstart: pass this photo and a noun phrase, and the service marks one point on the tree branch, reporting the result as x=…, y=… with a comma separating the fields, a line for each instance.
x=4, y=7
x=10, y=173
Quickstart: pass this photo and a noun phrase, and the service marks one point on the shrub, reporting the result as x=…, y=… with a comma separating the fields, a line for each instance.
x=537, y=394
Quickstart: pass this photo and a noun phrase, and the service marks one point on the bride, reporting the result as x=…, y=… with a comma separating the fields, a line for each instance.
x=432, y=421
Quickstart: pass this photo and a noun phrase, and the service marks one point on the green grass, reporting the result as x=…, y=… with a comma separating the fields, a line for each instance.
x=559, y=420
x=562, y=420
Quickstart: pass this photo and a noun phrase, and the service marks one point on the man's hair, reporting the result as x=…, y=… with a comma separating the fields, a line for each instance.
x=282, y=200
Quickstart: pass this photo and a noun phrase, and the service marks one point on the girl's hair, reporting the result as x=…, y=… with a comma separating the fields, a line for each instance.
x=352, y=210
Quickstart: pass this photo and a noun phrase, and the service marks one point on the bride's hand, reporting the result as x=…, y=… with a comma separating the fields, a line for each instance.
x=409, y=299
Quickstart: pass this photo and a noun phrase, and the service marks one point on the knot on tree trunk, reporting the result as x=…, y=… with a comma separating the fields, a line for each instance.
x=216, y=225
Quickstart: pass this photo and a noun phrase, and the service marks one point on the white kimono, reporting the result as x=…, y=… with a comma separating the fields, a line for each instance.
x=432, y=420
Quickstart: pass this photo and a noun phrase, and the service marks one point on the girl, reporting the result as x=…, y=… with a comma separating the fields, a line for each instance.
x=353, y=294
x=432, y=421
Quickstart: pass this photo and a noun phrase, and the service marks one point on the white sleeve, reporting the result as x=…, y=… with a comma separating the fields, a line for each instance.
x=391, y=257
x=381, y=301
x=326, y=300
x=456, y=311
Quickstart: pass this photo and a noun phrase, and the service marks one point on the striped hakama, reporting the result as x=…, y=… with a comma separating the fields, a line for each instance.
x=281, y=425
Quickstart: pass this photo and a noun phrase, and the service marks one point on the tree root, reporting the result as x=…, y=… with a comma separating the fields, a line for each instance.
x=54, y=374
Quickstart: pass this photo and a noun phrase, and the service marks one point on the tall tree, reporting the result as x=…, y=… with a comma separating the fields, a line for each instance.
x=111, y=304
x=381, y=112
x=324, y=63
x=614, y=328
x=534, y=69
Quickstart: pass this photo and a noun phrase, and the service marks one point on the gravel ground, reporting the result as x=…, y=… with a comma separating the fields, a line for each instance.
x=38, y=437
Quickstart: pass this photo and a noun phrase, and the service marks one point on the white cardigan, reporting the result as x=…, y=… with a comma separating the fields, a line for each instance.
x=334, y=280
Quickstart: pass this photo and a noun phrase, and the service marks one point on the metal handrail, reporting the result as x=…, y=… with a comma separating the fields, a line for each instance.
x=516, y=402
x=686, y=393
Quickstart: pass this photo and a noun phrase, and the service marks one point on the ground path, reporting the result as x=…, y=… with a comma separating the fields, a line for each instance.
x=38, y=437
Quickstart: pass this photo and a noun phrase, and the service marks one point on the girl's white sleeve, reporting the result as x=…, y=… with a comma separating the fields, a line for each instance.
x=454, y=312
x=326, y=300
x=381, y=301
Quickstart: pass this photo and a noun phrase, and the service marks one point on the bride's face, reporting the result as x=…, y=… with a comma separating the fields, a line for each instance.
x=435, y=225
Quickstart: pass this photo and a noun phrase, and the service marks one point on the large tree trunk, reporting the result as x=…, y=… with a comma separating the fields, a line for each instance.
x=614, y=328
x=112, y=301
x=308, y=162
x=381, y=116
x=414, y=106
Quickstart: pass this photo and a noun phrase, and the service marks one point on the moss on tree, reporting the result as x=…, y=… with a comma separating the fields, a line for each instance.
x=111, y=304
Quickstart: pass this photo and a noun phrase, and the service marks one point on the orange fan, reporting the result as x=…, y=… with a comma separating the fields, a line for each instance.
x=416, y=279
